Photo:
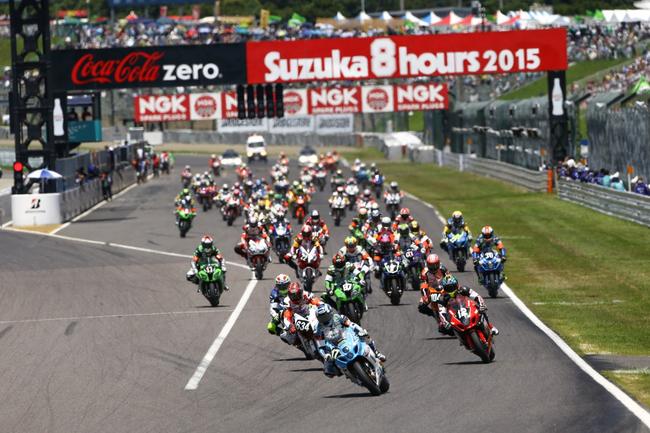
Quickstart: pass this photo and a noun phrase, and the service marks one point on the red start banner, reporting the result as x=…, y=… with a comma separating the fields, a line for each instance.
x=297, y=102
x=406, y=56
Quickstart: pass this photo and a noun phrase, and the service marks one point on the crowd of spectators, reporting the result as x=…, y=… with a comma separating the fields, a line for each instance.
x=622, y=79
x=580, y=172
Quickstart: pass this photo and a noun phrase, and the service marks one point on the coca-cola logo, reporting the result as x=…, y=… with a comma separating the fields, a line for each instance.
x=137, y=66
x=293, y=102
x=377, y=99
x=205, y=106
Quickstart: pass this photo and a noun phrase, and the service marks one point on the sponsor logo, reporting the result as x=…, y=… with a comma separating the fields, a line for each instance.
x=377, y=99
x=335, y=66
x=336, y=100
x=36, y=203
x=136, y=66
x=205, y=106
x=421, y=97
x=293, y=102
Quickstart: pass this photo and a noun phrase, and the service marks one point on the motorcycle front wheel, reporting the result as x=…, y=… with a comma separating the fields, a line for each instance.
x=361, y=367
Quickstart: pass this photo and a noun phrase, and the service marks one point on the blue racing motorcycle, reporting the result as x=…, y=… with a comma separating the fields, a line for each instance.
x=490, y=271
x=458, y=248
x=356, y=359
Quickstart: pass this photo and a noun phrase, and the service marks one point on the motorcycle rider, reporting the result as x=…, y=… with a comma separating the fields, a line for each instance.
x=393, y=188
x=330, y=327
x=455, y=224
x=355, y=253
x=430, y=280
x=336, y=195
x=451, y=288
x=404, y=237
x=306, y=235
x=373, y=222
x=276, y=302
x=204, y=252
x=421, y=236
x=340, y=271
x=252, y=231
x=186, y=195
x=318, y=227
x=486, y=241
x=299, y=302
x=385, y=228
x=404, y=217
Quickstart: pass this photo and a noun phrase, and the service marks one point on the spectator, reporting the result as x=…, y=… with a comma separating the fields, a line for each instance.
x=72, y=115
x=107, y=185
x=617, y=183
x=639, y=186
x=81, y=176
x=86, y=115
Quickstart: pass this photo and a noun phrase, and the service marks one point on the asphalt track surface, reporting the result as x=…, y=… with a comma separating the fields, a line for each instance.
x=102, y=339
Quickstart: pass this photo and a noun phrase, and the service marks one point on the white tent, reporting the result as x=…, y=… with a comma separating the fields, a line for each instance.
x=363, y=16
x=431, y=19
x=339, y=17
x=408, y=16
x=501, y=18
x=386, y=16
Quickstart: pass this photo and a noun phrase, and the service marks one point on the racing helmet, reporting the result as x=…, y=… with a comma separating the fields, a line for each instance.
x=415, y=226
x=338, y=261
x=394, y=186
x=207, y=242
x=450, y=284
x=433, y=262
x=386, y=222
x=324, y=314
x=350, y=243
x=306, y=231
x=282, y=282
x=457, y=218
x=404, y=213
x=487, y=232
x=315, y=216
x=295, y=292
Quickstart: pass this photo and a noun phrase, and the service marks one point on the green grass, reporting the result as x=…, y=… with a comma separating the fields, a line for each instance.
x=576, y=72
x=365, y=153
x=416, y=121
x=559, y=253
x=637, y=385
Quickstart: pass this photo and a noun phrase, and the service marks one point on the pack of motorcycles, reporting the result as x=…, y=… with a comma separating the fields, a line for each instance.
x=355, y=358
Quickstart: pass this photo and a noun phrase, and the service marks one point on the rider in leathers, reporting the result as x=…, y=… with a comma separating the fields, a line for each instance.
x=277, y=302
x=205, y=251
x=330, y=327
x=450, y=285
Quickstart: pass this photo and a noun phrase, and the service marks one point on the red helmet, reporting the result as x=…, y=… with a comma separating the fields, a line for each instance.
x=338, y=260
x=487, y=231
x=295, y=292
x=433, y=262
x=306, y=231
x=404, y=212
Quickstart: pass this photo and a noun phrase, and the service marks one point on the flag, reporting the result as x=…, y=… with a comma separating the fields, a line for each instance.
x=642, y=86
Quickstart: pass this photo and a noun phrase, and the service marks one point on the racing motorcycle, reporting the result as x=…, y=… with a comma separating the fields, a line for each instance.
x=338, y=210
x=377, y=182
x=300, y=209
x=211, y=283
x=393, y=203
x=320, y=179
x=305, y=328
x=185, y=216
x=470, y=327
x=351, y=191
x=216, y=168
x=257, y=256
x=347, y=299
x=415, y=258
x=358, y=362
x=458, y=248
x=206, y=196
x=308, y=263
x=231, y=210
x=393, y=278
x=281, y=239
x=490, y=270
x=362, y=177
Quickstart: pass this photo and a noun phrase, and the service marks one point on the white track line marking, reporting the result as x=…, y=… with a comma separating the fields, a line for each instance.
x=194, y=381
x=115, y=316
x=616, y=392
x=114, y=245
x=7, y=224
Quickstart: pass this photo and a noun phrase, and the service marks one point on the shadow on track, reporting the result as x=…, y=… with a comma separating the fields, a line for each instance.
x=350, y=395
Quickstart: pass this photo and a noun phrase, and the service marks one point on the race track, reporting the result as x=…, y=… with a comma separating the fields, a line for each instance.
x=100, y=338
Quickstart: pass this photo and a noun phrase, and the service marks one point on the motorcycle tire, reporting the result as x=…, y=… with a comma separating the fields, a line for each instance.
x=205, y=206
x=308, y=282
x=395, y=295
x=230, y=221
x=308, y=356
x=479, y=347
x=337, y=221
x=460, y=264
x=213, y=294
x=359, y=369
x=350, y=310
x=492, y=286
x=259, y=271
x=384, y=384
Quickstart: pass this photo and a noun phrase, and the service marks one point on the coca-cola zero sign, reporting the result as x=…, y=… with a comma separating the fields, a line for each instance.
x=149, y=67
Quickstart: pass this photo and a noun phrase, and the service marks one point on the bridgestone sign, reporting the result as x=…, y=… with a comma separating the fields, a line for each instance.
x=350, y=59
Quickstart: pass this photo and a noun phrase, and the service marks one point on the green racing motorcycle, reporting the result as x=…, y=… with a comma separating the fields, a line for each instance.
x=348, y=299
x=185, y=216
x=211, y=282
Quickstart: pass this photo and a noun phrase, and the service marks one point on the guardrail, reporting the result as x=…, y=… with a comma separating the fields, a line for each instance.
x=626, y=205
x=530, y=179
x=78, y=200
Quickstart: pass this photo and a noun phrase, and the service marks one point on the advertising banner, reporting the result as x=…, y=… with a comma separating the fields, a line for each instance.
x=164, y=66
x=419, y=97
x=327, y=124
x=295, y=102
x=377, y=99
x=291, y=125
x=406, y=56
x=243, y=125
x=161, y=108
x=335, y=100
x=205, y=106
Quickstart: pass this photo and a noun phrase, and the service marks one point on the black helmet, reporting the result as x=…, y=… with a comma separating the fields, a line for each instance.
x=449, y=283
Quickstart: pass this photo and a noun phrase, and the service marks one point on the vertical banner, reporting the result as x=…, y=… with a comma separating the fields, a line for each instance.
x=377, y=99
x=559, y=136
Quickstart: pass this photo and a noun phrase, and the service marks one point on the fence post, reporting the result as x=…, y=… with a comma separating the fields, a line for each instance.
x=461, y=165
x=549, y=181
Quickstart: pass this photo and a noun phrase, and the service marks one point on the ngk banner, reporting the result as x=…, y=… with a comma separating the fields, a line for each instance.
x=406, y=56
x=161, y=108
x=205, y=106
x=335, y=100
x=295, y=102
x=111, y=68
x=419, y=97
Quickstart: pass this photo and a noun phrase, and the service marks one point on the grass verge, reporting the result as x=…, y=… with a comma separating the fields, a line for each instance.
x=637, y=384
x=576, y=72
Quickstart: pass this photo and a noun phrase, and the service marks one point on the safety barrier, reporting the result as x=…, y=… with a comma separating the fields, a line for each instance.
x=531, y=180
x=622, y=204
x=77, y=200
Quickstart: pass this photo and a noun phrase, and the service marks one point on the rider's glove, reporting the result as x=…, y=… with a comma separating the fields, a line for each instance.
x=362, y=332
x=447, y=326
x=292, y=329
x=327, y=357
x=482, y=307
x=503, y=259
